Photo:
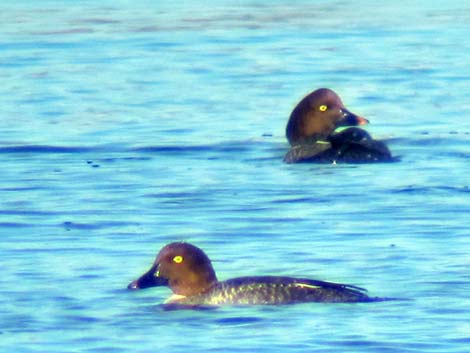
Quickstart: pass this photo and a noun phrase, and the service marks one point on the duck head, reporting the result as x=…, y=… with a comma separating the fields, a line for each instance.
x=183, y=267
x=319, y=114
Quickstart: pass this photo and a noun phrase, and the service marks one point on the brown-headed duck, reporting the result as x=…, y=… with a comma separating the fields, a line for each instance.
x=311, y=132
x=188, y=272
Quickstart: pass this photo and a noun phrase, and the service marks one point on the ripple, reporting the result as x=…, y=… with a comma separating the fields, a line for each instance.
x=238, y=321
x=99, y=225
x=426, y=189
x=46, y=149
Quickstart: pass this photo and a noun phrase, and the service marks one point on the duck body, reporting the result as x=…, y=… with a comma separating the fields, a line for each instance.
x=187, y=270
x=272, y=290
x=311, y=131
x=352, y=145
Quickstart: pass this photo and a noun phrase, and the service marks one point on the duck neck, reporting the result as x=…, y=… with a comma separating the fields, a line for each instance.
x=194, y=283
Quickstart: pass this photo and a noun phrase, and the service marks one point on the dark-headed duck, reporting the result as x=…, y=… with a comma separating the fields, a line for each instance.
x=187, y=270
x=311, y=133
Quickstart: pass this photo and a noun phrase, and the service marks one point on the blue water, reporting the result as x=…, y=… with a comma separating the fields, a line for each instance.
x=126, y=125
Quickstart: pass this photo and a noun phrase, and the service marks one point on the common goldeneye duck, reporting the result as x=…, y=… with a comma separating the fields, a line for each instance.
x=187, y=270
x=311, y=133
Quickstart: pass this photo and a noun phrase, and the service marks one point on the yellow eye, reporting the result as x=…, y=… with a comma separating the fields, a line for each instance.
x=178, y=259
x=323, y=108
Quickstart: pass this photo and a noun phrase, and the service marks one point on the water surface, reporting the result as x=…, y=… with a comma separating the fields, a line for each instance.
x=125, y=126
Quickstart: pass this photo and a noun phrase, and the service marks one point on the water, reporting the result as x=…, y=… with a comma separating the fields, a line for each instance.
x=126, y=126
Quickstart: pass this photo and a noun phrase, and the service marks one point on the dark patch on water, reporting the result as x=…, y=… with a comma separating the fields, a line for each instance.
x=63, y=32
x=89, y=276
x=412, y=189
x=237, y=148
x=16, y=225
x=99, y=21
x=301, y=200
x=27, y=213
x=85, y=319
x=238, y=321
x=112, y=160
x=465, y=340
x=172, y=195
x=46, y=149
x=100, y=225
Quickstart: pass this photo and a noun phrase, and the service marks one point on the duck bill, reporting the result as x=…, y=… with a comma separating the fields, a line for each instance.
x=147, y=280
x=351, y=119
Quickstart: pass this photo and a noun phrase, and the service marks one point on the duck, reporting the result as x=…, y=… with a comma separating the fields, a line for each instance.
x=188, y=272
x=321, y=129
